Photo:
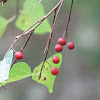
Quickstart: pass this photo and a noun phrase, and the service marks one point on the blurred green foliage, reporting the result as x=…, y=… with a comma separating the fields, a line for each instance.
x=32, y=12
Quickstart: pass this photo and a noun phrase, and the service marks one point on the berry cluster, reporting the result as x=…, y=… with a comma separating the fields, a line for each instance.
x=59, y=48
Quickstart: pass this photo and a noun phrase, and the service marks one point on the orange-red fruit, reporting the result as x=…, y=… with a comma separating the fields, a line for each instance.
x=19, y=55
x=62, y=41
x=55, y=60
x=54, y=71
x=58, y=48
x=71, y=45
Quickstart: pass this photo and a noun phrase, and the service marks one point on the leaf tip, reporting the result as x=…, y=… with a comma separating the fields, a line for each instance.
x=51, y=91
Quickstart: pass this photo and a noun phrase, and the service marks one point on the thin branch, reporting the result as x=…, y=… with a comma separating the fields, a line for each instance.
x=41, y=20
x=50, y=36
x=32, y=30
x=48, y=64
x=13, y=63
x=23, y=47
x=53, y=41
x=69, y=17
x=27, y=40
x=54, y=14
x=13, y=49
x=3, y=86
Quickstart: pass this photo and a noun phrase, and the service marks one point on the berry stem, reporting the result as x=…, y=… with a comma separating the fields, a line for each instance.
x=55, y=17
x=69, y=17
x=50, y=53
x=13, y=49
x=48, y=64
x=27, y=40
x=3, y=86
x=53, y=41
x=23, y=47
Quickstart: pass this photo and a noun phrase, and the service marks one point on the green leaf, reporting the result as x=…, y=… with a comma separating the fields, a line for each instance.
x=5, y=65
x=3, y=25
x=32, y=12
x=18, y=71
x=47, y=78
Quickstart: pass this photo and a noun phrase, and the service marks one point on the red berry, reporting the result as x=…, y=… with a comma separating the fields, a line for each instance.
x=19, y=55
x=55, y=60
x=54, y=71
x=58, y=48
x=62, y=41
x=70, y=45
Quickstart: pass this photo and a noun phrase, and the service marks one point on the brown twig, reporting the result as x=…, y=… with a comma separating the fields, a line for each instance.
x=23, y=47
x=26, y=41
x=3, y=86
x=50, y=36
x=48, y=64
x=69, y=17
x=54, y=14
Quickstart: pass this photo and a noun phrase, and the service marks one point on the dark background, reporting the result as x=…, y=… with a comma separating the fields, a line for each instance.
x=79, y=77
